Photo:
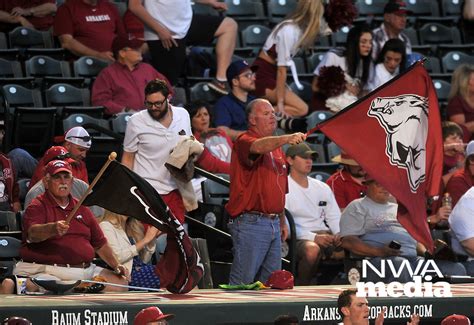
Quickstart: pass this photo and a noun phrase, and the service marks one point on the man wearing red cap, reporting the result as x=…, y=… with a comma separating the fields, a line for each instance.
x=55, y=249
x=152, y=316
x=347, y=183
x=120, y=87
x=394, y=22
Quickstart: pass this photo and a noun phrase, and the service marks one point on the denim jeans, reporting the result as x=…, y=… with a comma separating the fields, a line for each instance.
x=23, y=163
x=257, y=248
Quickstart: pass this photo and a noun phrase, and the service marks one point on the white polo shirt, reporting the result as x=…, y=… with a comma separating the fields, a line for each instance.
x=152, y=143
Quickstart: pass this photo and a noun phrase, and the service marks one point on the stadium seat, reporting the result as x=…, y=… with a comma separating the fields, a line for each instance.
x=317, y=117
x=434, y=33
x=88, y=67
x=8, y=222
x=339, y=38
x=40, y=66
x=27, y=82
x=443, y=49
x=33, y=128
x=10, y=69
x=320, y=176
x=412, y=35
x=432, y=64
x=119, y=122
x=66, y=95
x=278, y=10
x=84, y=120
x=92, y=111
x=3, y=41
x=255, y=35
x=213, y=192
x=370, y=7
x=10, y=54
x=314, y=60
x=202, y=9
x=179, y=98
x=24, y=37
x=305, y=94
x=54, y=53
x=201, y=91
x=15, y=95
x=245, y=12
x=423, y=7
x=451, y=60
x=442, y=89
x=9, y=254
x=451, y=7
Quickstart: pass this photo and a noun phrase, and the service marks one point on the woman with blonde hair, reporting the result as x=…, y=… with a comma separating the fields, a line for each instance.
x=298, y=31
x=461, y=99
x=133, y=245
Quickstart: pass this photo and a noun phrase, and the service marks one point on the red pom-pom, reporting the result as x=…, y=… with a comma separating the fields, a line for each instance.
x=340, y=13
x=331, y=81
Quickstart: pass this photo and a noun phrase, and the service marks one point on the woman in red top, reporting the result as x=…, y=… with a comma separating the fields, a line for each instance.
x=461, y=99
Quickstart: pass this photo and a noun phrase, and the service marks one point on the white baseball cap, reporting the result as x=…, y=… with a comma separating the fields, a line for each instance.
x=470, y=148
x=78, y=135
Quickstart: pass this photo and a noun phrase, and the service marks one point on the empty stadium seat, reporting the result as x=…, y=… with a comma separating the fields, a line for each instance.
x=16, y=95
x=119, y=122
x=314, y=60
x=10, y=69
x=201, y=91
x=339, y=38
x=434, y=33
x=432, y=64
x=255, y=35
x=9, y=253
x=278, y=10
x=317, y=117
x=442, y=89
x=305, y=94
x=55, y=53
x=3, y=41
x=370, y=7
x=423, y=7
x=451, y=7
x=453, y=59
x=40, y=66
x=88, y=67
x=67, y=95
x=245, y=12
x=24, y=37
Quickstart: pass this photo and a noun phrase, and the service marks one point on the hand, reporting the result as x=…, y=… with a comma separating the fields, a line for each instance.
x=61, y=227
x=457, y=147
x=16, y=207
x=166, y=38
x=296, y=138
x=219, y=6
x=151, y=234
x=324, y=240
x=283, y=231
x=337, y=240
x=18, y=11
x=414, y=319
x=121, y=270
x=107, y=56
x=380, y=317
x=442, y=214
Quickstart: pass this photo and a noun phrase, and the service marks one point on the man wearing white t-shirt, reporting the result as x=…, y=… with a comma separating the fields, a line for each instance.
x=315, y=211
x=170, y=26
x=150, y=137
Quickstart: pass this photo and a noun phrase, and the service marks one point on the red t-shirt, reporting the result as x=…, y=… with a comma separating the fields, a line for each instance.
x=258, y=182
x=93, y=26
x=457, y=105
x=40, y=23
x=458, y=184
x=78, y=245
x=345, y=189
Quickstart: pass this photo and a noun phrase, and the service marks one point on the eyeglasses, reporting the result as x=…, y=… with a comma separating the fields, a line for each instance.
x=248, y=75
x=154, y=104
x=85, y=138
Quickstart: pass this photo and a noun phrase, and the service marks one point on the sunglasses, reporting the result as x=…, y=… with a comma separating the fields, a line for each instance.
x=85, y=138
x=154, y=104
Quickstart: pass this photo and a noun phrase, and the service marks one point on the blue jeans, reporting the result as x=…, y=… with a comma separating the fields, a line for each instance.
x=257, y=248
x=23, y=163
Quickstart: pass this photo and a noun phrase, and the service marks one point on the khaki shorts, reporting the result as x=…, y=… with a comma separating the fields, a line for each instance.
x=53, y=272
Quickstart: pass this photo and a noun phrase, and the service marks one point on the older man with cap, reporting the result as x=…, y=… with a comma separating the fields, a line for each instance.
x=54, y=248
x=120, y=86
x=257, y=195
x=394, y=22
x=314, y=210
x=229, y=111
x=347, y=183
x=152, y=316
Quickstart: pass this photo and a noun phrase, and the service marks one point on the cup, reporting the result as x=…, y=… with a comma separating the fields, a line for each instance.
x=20, y=285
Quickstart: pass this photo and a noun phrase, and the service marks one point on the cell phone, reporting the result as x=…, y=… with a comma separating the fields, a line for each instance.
x=394, y=245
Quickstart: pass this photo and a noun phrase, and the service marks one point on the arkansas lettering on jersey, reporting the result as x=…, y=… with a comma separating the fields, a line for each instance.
x=98, y=18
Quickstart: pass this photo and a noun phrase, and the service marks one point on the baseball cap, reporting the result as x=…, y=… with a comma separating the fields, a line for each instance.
x=470, y=148
x=78, y=135
x=396, y=7
x=150, y=314
x=302, y=150
x=121, y=42
x=56, y=166
x=15, y=320
x=56, y=153
x=281, y=279
x=237, y=67
x=456, y=320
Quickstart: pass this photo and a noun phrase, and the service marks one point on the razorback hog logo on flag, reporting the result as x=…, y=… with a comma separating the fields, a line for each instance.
x=404, y=119
x=394, y=133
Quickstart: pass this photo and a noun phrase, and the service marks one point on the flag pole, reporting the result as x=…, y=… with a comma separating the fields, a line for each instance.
x=111, y=158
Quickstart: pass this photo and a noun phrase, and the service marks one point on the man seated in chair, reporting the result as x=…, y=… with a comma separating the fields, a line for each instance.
x=368, y=226
x=52, y=248
x=315, y=212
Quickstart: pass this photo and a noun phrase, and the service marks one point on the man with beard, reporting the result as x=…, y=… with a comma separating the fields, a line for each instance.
x=150, y=137
x=229, y=111
x=347, y=183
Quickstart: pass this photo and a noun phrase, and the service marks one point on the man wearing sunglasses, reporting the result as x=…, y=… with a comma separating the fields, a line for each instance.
x=78, y=142
x=150, y=137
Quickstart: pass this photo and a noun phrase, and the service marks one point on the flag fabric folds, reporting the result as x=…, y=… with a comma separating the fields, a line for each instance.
x=122, y=191
x=394, y=133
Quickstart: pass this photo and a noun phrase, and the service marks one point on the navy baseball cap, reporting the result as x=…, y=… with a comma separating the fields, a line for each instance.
x=396, y=7
x=237, y=67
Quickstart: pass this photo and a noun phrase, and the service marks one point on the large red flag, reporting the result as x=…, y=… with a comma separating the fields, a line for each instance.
x=395, y=135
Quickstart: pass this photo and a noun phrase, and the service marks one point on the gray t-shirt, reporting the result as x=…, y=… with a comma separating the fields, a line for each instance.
x=376, y=224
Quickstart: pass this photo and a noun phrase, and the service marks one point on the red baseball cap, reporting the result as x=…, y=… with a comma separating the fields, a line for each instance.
x=56, y=166
x=281, y=279
x=456, y=320
x=56, y=153
x=15, y=320
x=150, y=314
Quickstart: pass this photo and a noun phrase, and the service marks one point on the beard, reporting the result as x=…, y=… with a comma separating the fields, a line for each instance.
x=158, y=115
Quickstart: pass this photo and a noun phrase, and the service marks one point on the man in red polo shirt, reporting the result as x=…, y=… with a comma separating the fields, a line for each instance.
x=56, y=249
x=347, y=183
x=88, y=27
x=257, y=195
